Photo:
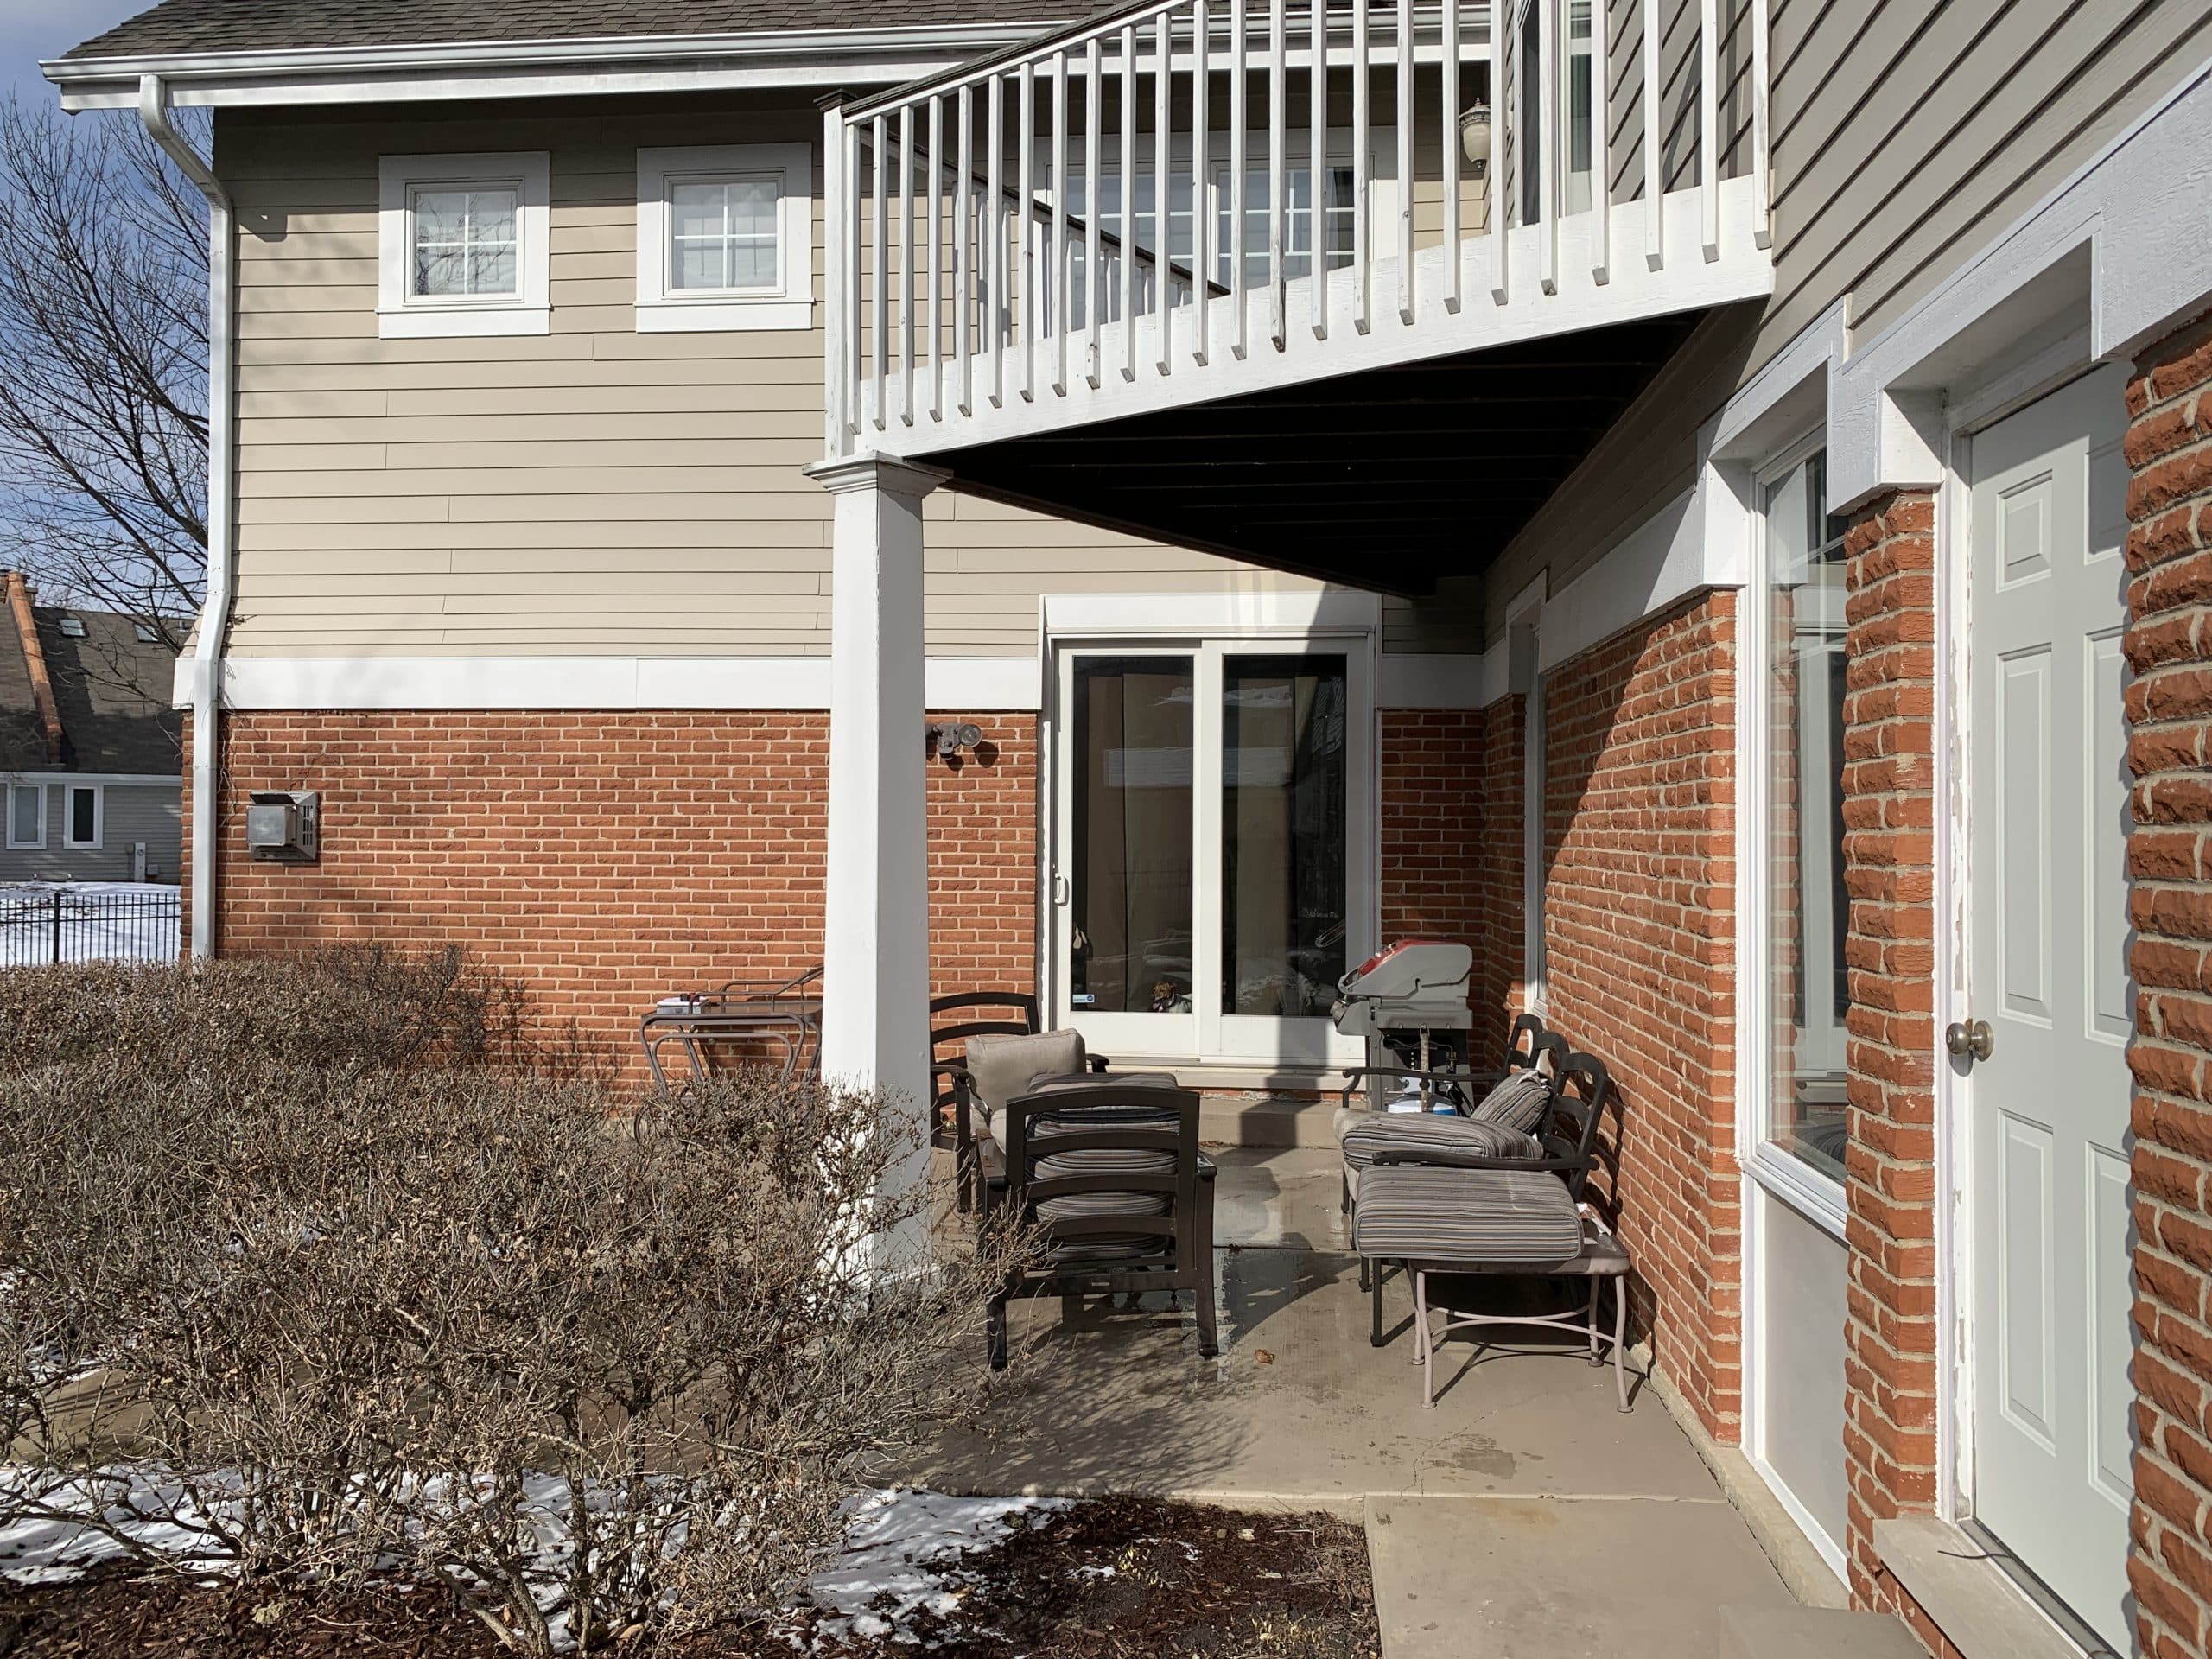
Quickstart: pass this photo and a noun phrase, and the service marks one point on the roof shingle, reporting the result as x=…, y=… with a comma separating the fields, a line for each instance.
x=181, y=26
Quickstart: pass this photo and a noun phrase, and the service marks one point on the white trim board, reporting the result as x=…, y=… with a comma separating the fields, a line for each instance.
x=104, y=779
x=978, y=684
x=1172, y=616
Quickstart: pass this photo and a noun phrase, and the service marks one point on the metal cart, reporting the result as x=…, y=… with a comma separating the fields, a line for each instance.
x=787, y=1011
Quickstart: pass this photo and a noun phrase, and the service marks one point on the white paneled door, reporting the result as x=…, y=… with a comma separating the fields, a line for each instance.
x=2048, y=887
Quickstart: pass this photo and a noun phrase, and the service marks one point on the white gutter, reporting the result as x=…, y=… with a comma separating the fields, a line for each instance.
x=215, y=613
x=602, y=63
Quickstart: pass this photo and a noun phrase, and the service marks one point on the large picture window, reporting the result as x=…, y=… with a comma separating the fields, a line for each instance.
x=1806, y=991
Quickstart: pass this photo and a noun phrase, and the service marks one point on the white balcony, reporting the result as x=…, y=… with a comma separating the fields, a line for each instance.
x=987, y=282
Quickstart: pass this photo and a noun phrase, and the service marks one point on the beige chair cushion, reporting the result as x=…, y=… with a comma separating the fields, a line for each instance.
x=1002, y=1066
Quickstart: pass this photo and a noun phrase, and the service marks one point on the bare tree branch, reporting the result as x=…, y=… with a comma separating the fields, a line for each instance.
x=103, y=369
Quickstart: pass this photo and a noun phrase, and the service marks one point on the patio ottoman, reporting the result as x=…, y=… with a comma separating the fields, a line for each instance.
x=1444, y=1221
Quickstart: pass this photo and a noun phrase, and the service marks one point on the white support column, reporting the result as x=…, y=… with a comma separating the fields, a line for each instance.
x=875, y=920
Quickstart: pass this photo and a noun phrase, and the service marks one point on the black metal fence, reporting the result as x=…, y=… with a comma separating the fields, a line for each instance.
x=48, y=925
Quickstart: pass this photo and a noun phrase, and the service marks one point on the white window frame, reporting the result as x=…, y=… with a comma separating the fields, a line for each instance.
x=69, y=793
x=790, y=303
x=1811, y=1193
x=402, y=315
x=37, y=844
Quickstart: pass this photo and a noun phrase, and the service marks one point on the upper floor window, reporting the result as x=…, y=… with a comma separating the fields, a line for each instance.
x=725, y=238
x=463, y=245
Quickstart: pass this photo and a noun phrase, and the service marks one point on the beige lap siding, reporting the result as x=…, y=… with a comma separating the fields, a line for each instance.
x=1890, y=1380
x=588, y=491
x=2170, y=856
x=1639, y=901
x=606, y=860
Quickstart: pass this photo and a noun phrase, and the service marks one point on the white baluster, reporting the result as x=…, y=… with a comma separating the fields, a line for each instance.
x=963, y=250
x=906, y=311
x=1317, y=147
x=996, y=320
x=1453, y=143
x=1495, y=205
x=1163, y=191
x=1601, y=150
x=1278, y=170
x=1762, y=117
x=882, y=346
x=1405, y=162
x=1201, y=165
x=1708, y=137
x=1238, y=115
x=838, y=228
x=1032, y=310
x=1060, y=280
x=1550, y=158
x=1093, y=188
x=1126, y=226
x=1362, y=183
x=1655, y=183
x=937, y=257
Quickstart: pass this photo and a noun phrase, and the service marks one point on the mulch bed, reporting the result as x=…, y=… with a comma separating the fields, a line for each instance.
x=1119, y=1579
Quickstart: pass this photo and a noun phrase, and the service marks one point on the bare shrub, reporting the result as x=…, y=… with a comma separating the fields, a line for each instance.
x=348, y=1007
x=601, y=1376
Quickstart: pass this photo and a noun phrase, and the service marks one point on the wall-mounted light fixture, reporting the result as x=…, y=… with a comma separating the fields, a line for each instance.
x=946, y=741
x=284, y=826
x=1474, y=136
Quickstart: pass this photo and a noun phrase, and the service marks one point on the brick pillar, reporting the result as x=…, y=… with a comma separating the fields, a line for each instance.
x=2170, y=857
x=1888, y=1429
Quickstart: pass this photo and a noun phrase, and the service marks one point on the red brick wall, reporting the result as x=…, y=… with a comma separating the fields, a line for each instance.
x=606, y=859
x=1451, y=842
x=2170, y=853
x=1639, y=904
x=1888, y=856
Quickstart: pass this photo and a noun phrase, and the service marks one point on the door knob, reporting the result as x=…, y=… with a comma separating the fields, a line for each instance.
x=1970, y=1040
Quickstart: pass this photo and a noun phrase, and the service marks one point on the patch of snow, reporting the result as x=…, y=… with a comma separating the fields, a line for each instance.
x=903, y=1555
x=56, y=1547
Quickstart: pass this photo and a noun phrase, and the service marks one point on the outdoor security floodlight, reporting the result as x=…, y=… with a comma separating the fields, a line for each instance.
x=1474, y=136
x=284, y=826
x=949, y=740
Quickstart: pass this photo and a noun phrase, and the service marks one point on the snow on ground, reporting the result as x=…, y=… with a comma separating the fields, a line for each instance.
x=903, y=1550
x=101, y=921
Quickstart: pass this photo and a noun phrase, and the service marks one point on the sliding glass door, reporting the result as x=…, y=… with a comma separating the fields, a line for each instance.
x=1214, y=838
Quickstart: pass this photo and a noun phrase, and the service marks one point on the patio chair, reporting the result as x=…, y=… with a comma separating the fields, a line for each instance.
x=1439, y=1210
x=1525, y=1049
x=998, y=1059
x=955, y=1021
x=1109, y=1171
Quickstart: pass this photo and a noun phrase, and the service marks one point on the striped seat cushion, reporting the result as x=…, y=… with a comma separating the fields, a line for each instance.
x=1519, y=1102
x=1438, y=1140
x=1413, y=1213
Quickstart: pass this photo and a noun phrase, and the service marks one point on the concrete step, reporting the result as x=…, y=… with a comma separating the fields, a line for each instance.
x=1748, y=1633
x=1239, y=1118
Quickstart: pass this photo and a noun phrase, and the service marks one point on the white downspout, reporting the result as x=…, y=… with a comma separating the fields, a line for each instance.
x=215, y=613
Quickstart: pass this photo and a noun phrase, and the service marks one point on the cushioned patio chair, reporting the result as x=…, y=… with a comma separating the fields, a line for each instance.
x=955, y=1021
x=1525, y=1050
x=995, y=1066
x=1440, y=1208
x=1108, y=1171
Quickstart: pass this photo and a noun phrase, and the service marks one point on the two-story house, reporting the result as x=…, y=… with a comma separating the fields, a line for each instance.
x=1708, y=500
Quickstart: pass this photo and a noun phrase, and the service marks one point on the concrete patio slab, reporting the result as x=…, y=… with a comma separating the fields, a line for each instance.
x=1299, y=1408
x=1523, y=1578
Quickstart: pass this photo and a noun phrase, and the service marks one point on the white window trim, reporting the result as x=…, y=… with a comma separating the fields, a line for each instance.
x=13, y=845
x=530, y=311
x=790, y=304
x=70, y=791
x=1812, y=1193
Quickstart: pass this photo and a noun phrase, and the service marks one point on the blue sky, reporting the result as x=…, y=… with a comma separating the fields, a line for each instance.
x=31, y=29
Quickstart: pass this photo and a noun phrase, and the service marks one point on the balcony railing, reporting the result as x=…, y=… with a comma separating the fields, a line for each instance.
x=1182, y=197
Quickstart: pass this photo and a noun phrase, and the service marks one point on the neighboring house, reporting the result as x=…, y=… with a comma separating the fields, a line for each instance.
x=89, y=754
x=1757, y=595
